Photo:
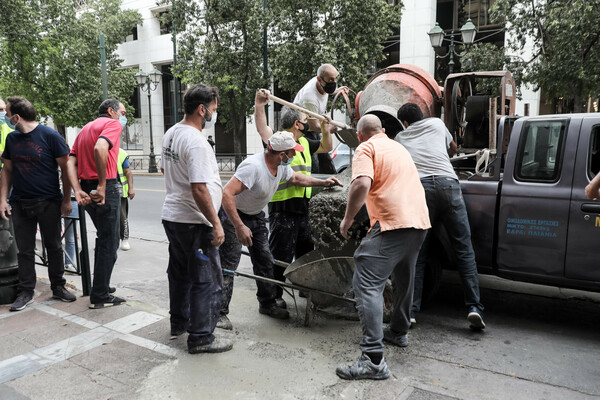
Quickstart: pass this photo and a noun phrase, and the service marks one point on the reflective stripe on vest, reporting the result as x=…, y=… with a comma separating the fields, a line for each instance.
x=120, y=160
x=301, y=165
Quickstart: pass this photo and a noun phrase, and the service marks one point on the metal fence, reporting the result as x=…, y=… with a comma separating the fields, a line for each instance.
x=227, y=162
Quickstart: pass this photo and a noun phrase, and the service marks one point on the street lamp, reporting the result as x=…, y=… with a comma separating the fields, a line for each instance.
x=148, y=83
x=437, y=37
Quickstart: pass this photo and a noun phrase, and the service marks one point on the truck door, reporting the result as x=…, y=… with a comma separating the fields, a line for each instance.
x=535, y=197
x=583, y=257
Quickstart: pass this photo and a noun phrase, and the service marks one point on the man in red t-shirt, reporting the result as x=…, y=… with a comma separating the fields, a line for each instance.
x=93, y=159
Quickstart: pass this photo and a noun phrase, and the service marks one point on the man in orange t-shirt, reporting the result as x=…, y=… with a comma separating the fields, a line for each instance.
x=383, y=174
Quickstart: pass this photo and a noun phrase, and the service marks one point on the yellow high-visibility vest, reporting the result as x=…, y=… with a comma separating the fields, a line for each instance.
x=122, y=157
x=301, y=165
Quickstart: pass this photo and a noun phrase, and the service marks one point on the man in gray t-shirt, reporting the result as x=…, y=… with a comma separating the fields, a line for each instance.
x=244, y=197
x=430, y=144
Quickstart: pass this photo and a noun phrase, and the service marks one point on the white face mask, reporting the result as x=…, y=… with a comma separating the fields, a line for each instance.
x=207, y=124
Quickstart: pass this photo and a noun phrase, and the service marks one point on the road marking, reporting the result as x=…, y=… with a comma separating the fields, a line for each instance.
x=150, y=190
x=98, y=335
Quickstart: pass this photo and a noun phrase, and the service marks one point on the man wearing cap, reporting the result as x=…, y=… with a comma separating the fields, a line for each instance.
x=244, y=197
x=290, y=234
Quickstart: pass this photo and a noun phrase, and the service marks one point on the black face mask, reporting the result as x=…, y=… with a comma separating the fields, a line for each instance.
x=305, y=129
x=330, y=87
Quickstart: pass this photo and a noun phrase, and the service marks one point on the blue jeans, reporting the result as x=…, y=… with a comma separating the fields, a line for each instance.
x=379, y=255
x=195, y=281
x=260, y=255
x=26, y=215
x=447, y=207
x=106, y=221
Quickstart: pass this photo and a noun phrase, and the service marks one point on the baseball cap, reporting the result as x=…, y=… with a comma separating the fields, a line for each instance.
x=284, y=141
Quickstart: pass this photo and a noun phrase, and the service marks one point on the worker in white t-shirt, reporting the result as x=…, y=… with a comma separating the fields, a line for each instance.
x=244, y=197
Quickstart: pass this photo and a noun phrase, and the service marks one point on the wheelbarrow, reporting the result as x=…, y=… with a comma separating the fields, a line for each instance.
x=321, y=278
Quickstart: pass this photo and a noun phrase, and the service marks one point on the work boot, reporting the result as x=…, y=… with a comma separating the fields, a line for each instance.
x=475, y=318
x=23, y=299
x=281, y=303
x=219, y=345
x=363, y=368
x=400, y=340
x=61, y=293
x=224, y=323
x=273, y=311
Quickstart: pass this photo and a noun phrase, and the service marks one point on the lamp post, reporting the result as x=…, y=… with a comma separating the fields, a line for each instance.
x=437, y=37
x=148, y=83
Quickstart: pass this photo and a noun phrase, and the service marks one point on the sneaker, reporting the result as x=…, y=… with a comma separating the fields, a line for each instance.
x=176, y=332
x=125, y=245
x=363, y=368
x=395, y=338
x=413, y=320
x=70, y=268
x=112, y=301
x=224, y=323
x=219, y=345
x=61, y=293
x=281, y=303
x=273, y=311
x=23, y=300
x=112, y=289
x=475, y=318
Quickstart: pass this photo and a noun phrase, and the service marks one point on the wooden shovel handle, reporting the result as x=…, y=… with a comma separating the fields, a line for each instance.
x=305, y=111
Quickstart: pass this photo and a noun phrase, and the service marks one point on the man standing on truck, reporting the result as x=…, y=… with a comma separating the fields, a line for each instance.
x=384, y=176
x=430, y=144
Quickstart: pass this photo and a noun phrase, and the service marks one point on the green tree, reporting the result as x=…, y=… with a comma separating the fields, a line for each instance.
x=222, y=44
x=345, y=33
x=564, y=36
x=49, y=53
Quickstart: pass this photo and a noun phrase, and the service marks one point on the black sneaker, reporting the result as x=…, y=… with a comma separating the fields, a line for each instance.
x=273, y=311
x=112, y=301
x=112, y=289
x=61, y=293
x=219, y=345
x=176, y=332
x=475, y=318
x=23, y=300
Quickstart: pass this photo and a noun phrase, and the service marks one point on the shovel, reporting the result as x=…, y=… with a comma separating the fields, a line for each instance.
x=346, y=134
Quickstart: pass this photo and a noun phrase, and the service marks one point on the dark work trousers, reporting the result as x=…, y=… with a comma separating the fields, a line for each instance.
x=379, y=255
x=447, y=207
x=123, y=219
x=106, y=221
x=290, y=237
x=195, y=280
x=26, y=215
x=260, y=255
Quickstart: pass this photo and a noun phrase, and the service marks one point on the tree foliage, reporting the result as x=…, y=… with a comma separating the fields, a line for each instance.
x=346, y=33
x=222, y=45
x=564, y=35
x=49, y=53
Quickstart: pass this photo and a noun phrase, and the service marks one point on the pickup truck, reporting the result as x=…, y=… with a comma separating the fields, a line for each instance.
x=530, y=220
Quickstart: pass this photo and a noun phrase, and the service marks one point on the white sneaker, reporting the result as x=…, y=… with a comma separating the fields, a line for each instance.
x=125, y=245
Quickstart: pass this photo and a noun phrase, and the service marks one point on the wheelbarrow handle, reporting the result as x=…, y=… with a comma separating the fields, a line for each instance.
x=305, y=111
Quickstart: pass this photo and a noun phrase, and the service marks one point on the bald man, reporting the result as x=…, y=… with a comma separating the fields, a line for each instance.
x=385, y=177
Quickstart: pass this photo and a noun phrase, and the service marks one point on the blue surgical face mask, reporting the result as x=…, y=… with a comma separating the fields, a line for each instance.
x=288, y=162
x=123, y=120
x=2, y=115
x=11, y=126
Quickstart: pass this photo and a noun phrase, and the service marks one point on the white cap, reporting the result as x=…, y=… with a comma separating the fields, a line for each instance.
x=284, y=141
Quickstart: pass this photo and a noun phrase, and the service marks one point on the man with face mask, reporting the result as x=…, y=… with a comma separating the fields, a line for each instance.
x=290, y=234
x=93, y=167
x=32, y=156
x=192, y=225
x=313, y=96
x=5, y=129
x=255, y=181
